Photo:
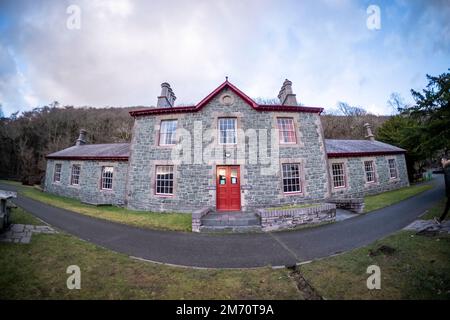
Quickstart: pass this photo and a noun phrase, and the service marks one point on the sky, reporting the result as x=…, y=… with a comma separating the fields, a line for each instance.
x=119, y=52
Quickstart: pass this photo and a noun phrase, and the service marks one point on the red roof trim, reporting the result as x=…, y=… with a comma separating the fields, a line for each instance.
x=242, y=95
x=105, y=158
x=361, y=154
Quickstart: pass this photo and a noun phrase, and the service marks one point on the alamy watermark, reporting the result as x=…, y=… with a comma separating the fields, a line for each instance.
x=373, y=21
x=374, y=280
x=73, y=21
x=74, y=280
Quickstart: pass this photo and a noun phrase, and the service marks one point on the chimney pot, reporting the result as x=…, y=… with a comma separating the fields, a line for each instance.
x=81, y=138
x=369, y=134
x=167, y=97
x=286, y=95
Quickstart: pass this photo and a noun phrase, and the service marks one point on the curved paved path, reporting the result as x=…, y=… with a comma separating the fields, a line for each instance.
x=237, y=250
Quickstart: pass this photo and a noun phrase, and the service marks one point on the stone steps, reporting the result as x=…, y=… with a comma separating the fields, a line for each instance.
x=230, y=222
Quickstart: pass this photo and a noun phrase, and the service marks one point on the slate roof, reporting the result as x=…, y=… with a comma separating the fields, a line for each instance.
x=109, y=151
x=121, y=151
x=357, y=148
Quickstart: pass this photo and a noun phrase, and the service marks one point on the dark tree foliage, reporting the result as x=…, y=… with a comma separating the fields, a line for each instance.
x=26, y=139
x=423, y=129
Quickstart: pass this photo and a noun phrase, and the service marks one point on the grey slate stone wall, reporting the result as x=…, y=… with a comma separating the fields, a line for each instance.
x=195, y=184
x=356, y=183
x=88, y=189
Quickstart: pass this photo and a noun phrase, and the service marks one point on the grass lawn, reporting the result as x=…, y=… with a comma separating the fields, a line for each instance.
x=144, y=219
x=417, y=268
x=436, y=211
x=388, y=198
x=38, y=271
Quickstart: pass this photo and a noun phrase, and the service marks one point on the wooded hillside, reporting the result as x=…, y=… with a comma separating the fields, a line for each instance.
x=25, y=139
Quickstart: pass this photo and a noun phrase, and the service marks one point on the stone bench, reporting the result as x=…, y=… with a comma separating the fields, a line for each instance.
x=279, y=219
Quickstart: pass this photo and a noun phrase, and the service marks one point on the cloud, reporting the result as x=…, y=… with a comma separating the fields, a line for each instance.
x=125, y=49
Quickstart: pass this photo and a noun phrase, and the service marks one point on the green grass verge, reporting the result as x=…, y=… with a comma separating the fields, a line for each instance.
x=143, y=219
x=436, y=211
x=388, y=198
x=20, y=216
x=38, y=271
x=418, y=268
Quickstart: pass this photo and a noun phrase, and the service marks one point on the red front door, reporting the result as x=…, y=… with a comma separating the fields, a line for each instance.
x=228, y=188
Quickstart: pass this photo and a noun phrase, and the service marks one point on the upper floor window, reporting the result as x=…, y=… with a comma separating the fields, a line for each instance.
x=287, y=130
x=75, y=175
x=291, y=178
x=369, y=168
x=167, y=132
x=164, y=180
x=392, y=168
x=227, y=131
x=57, y=173
x=107, y=178
x=338, y=175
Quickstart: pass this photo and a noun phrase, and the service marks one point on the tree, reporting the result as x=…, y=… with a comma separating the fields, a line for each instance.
x=423, y=129
x=348, y=110
x=432, y=111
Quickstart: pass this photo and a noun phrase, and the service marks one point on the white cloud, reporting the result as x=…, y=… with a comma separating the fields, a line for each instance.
x=125, y=49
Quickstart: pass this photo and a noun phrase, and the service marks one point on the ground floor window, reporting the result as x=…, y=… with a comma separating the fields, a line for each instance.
x=57, y=173
x=369, y=168
x=291, y=178
x=392, y=168
x=107, y=178
x=75, y=175
x=164, y=180
x=338, y=175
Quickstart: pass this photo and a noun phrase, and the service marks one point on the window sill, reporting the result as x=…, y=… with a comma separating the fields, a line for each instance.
x=164, y=195
x=299, y=193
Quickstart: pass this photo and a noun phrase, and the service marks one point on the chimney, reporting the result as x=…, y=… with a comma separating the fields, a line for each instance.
x=369, y=134
x=82, y=138
x=167, y=97
x=286, y=96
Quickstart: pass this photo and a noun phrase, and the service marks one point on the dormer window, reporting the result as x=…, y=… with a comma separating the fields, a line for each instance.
x=167, y=133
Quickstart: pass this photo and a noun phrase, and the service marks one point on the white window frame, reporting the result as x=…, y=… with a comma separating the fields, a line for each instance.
x=165, y=170
x=219, y=130
x=104, y=183
x=373, y=171
x=342, y=174
x=73, y=175
x=281, y=136
x=285, y=178
x=164, y=133
x=395, y=170
x=57, y=173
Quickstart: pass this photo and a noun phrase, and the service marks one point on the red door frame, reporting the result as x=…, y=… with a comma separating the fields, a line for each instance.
x=228, y=196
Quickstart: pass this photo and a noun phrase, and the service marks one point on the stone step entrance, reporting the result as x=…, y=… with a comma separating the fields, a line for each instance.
x=230, y=222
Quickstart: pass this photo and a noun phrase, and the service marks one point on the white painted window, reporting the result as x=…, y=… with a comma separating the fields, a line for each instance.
x=167, y=132
x=369, y=168
x=291, y=178
x=286, y=130
x=107, y=178
x=164, y=180
x=338, y=175
x=227, y=130
x=392, y=169
x=75, y=175
x=57, y=173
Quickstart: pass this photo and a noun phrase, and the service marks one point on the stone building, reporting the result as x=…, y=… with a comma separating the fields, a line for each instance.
x=226, y=152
